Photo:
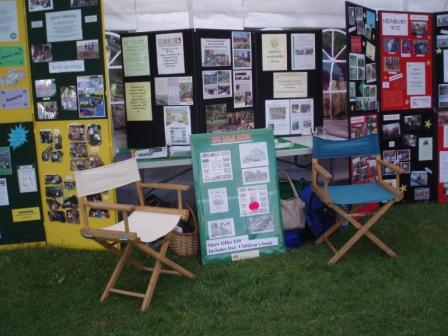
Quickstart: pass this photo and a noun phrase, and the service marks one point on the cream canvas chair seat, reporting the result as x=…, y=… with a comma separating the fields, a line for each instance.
x=140, y=225
x=147, y=233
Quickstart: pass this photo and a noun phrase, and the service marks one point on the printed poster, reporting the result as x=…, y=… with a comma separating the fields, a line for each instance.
x=4, y=200
x=135, y=56
x=215, y=52
x=174, y=90
x=416, y=80
x=217, y=198
x=217, y=84
x=9, y=29
x=242, y=50
x=425, y=149
x=395, y=24
x=5, y=161
x=303, y=51
x=253, y=200
x=138, y=101
x=242, y=88
x=278, y=116
x=290, y=84
x=216, y=166
x=170, y=54
x=177, y=125
x=27, y=179
x=64, y=25
x=274, y=52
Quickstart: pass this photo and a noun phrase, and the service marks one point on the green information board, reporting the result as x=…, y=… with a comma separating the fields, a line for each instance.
x=237, y=196
x=20, y=202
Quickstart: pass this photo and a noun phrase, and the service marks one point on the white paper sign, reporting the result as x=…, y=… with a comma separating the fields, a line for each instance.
x=239, y=243
x=64, y=26
x=425, y=149
x=445, y=65
x=395, y=24
x=416, y=80
x=421, y=102
x=443, y=166
x=27, y=179
x=170, y=53
x=4, y=200
x=303, y=56
x=290, y=84
x=90, y=18
x=217, y=199
x=9, y=30
x=66, y=66
x=274, y=52
x=445, y=136
x=37, y=24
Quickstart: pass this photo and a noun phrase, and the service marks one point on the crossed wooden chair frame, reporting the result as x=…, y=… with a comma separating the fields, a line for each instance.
x=363, y=229
x=112, y=240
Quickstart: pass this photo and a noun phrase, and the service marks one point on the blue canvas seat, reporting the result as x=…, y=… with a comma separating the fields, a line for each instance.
x=359, y=194
x=340, y=196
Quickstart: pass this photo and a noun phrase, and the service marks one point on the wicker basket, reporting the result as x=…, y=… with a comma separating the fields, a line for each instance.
x=186, y=244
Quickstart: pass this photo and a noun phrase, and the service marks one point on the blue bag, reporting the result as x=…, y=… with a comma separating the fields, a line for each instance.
x=319, y=217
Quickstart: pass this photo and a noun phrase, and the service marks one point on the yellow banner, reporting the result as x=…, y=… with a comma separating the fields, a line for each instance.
x=25, y=214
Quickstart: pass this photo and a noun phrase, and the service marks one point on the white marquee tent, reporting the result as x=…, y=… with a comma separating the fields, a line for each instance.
x=147, y=15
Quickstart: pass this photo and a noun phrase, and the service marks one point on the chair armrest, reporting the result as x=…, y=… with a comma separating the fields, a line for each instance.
x=391, y=166
x=112, y=206
x=165, y=186
x=171, y=211
x=108, y=234
x=322, y=171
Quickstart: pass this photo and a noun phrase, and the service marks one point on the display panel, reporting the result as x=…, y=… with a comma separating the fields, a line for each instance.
x=66, y=51
x=20, y=202
x=408, y=141
x=406, y=61
x=237, y=196
x=226, y=80
x=362, y=59
x=64, y=147
x=160, y=87
x=441, y=59
x=289, y=81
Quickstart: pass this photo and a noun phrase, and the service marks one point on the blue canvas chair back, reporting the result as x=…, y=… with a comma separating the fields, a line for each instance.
x=326, y=149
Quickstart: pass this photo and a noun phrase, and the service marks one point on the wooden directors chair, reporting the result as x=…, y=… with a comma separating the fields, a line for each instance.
x=140, y=225
x=339, y=196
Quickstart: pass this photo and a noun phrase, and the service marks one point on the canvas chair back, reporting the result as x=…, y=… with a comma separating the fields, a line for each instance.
x=115, y=175
x=327, y=149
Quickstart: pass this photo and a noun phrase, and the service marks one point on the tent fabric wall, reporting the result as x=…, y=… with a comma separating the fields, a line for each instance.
x=150, y=15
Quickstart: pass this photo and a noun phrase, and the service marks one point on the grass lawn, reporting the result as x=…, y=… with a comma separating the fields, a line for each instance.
x=49, y=291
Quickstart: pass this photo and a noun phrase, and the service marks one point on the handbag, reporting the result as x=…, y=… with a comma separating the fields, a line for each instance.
x=293, y=216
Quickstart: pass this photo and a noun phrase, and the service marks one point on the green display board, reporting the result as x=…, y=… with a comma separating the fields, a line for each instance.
x=20, y=211
x=66, y=58
x=237, y=195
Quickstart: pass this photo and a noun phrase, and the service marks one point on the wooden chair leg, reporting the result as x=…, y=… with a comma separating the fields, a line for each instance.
x=154, y=277
x=113, y=279
x=335, y=226
x=165, y=260
x=363, y=229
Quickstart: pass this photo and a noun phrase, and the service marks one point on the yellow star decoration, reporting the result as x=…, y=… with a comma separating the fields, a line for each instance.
x=428, y=124
x=438, y=51
x=403, y=188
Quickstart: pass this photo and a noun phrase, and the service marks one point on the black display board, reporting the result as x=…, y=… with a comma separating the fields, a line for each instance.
x=151, y=133
x=284, y=60
x=362, y=56
x=68, y=31
x=225, y=79
x=20, y=211
x=441, y=59
x=408, y=140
